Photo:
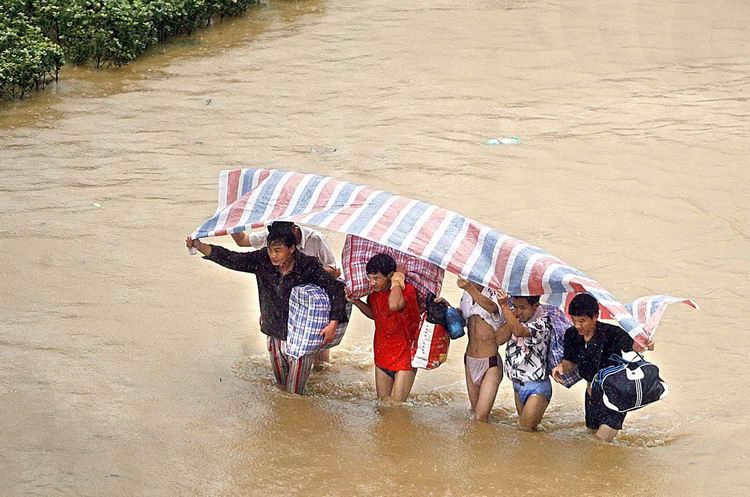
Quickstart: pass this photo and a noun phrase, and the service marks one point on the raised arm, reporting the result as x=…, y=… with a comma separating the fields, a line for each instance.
x=484, y=301
x=512, y=324
x=626, y=343
x=396, y=300
x=241, y=238
x=245, y=239
x=201, y=247
x=247, y=262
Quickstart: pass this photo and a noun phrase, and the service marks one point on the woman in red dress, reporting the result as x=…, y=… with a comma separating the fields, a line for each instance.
x=392, y=304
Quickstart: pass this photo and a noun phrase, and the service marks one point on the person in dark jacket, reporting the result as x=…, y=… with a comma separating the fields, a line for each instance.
x=589, y=343
x=278, y=268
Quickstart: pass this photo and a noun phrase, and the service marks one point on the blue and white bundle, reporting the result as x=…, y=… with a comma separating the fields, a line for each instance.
x=309, y=313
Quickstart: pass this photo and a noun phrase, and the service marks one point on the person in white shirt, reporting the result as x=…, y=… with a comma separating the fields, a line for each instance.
x=309, y=241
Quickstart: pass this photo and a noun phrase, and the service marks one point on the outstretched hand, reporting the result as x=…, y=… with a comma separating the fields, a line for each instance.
x=203, y=248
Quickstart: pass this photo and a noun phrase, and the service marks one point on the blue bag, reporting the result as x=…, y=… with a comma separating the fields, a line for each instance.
x=629, y=385
x=309, y=310
x=454, y=323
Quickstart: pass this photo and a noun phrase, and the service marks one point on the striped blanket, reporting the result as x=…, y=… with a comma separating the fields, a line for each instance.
x=425, y=277
x=248, y=198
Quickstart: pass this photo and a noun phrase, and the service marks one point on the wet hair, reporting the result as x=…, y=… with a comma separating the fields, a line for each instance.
x=584, y=304
x=381, y=263
x=285, y=238
x=531, y=299
x=281, y=226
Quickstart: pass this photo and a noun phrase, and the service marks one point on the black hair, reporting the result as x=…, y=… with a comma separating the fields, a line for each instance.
x=381, y=263
x=281, y=226
x=285, y=238
x=531, y=299
x=584, y=304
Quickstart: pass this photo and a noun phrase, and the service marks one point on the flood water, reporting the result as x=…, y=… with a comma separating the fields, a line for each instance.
x=129, y=368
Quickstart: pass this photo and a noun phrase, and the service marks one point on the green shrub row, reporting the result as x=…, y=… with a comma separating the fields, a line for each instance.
x=27, y=58
x=35, y=35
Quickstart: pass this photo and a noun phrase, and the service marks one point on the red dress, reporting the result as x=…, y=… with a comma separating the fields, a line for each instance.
x=394, y=330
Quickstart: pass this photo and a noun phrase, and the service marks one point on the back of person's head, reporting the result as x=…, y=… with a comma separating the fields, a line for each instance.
x=283, y=237
x=584, y=304
x=531, y=299
x=381, y=263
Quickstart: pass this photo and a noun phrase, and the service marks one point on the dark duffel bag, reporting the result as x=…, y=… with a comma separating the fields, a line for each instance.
x=629, y=385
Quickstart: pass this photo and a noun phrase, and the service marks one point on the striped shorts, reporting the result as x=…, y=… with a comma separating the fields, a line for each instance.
x=289, y=371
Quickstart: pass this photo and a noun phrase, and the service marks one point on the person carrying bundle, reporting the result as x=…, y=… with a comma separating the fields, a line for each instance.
x=308, y=241
x=279, y=268
x=392, y=304
x=589, y=345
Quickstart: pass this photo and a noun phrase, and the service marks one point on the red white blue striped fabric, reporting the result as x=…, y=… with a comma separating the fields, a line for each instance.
x=249, y=198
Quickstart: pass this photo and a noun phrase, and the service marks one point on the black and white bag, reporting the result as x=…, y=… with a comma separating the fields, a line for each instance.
x=629, y=385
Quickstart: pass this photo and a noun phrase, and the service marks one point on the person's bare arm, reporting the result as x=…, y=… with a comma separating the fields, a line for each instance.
x=362, y=306
x=396, y=300
x=484, y=302
x=241, y=238
x=502, y=335
x=512, y=324
x=201, y=247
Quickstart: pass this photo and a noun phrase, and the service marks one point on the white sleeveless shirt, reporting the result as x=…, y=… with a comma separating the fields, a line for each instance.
x=470, y=308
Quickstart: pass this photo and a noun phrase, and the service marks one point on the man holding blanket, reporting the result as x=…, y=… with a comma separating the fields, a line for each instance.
x=278, y=268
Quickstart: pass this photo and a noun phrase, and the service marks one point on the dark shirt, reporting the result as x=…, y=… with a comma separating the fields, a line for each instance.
x=594, y=355
x=274, y=289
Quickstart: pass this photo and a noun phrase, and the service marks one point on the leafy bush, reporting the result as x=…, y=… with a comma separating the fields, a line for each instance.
x=103, y=31
x=27, y=58
x=34, y=34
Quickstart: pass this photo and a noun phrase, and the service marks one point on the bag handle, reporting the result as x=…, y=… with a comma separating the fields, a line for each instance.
x=619, y=359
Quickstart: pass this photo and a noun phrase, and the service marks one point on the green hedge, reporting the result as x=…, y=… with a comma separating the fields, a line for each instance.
x=35, y=35
x=28, y=59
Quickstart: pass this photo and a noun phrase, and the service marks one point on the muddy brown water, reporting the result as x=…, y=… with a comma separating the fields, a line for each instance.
x=129, y=368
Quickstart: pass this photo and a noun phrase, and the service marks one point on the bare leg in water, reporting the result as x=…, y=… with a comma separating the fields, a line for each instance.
x=396, y=389
x=530, y=414
x=482, y=396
